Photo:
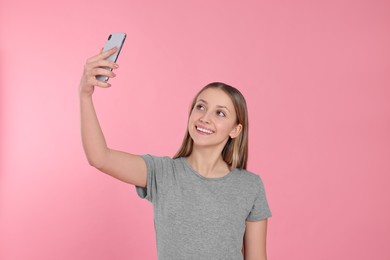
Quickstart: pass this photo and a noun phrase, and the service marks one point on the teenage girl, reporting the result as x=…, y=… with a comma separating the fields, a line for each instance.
x=206, y=204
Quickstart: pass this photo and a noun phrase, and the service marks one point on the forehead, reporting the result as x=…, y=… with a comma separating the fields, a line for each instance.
x=217, y=97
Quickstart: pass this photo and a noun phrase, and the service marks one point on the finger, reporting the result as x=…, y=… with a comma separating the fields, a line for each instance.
x=98, y=83
x=90, y=67
x=108, y=53
x=102, y=72
x=103, y=55
x=102, y=84
x=105, y=63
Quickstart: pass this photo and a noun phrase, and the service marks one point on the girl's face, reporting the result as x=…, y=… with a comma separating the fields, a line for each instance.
x=213, y=119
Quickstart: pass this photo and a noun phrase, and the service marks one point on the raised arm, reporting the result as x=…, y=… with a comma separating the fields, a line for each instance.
x=123, y=166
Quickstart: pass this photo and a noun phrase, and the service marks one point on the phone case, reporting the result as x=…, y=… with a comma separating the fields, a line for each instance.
x=114, y=40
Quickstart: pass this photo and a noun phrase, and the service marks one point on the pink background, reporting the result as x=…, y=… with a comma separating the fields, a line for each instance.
x=315, y=75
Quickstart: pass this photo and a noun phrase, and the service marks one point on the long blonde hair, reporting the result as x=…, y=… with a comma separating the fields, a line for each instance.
x=235, y=152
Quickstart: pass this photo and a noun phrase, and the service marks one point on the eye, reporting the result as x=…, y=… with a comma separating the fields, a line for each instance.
x=200, y=107
x=221, y=113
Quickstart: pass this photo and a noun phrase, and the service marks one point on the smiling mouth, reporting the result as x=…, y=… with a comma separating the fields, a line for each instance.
x=203, y=130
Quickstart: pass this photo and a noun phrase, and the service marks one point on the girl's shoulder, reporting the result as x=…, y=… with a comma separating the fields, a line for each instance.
x=250, y=178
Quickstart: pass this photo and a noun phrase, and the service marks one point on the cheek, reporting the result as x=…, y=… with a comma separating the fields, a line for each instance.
x=223, y=127
x=191, y=120
x=194, y=116
x=226, y=127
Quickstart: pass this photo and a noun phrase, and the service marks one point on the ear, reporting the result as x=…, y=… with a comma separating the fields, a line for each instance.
x=236, y=131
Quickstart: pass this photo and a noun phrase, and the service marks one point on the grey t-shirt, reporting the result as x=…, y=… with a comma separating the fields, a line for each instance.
x=197, y=217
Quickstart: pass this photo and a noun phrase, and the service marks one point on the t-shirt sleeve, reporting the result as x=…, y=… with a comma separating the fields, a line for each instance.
x=260, y=209
x=156, y=166
x=146, y=192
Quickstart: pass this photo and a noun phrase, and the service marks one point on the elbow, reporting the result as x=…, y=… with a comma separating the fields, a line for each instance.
x=94, y=164
x=98, y=164
x=96, y=161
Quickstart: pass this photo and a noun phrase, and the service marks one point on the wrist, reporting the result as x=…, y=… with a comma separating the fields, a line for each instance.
x=84, y=95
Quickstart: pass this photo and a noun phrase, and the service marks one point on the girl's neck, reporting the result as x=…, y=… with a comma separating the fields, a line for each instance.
x=208, y=163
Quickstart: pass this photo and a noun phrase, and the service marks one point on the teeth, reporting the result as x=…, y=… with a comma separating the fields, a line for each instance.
x=204, y=130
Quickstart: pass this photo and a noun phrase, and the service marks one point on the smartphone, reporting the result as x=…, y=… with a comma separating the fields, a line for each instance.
x=114, y=40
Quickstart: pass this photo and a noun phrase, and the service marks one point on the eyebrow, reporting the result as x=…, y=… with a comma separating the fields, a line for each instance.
x=219, y=106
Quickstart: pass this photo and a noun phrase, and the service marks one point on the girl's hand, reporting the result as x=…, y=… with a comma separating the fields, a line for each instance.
x=92, y=68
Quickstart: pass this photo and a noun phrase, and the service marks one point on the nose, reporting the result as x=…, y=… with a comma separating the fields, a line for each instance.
x=205, y=118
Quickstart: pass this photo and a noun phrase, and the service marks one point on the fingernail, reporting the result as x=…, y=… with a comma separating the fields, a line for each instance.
x=116, y=66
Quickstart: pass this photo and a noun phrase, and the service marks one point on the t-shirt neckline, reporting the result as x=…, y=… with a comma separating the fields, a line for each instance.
x=187, y=164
